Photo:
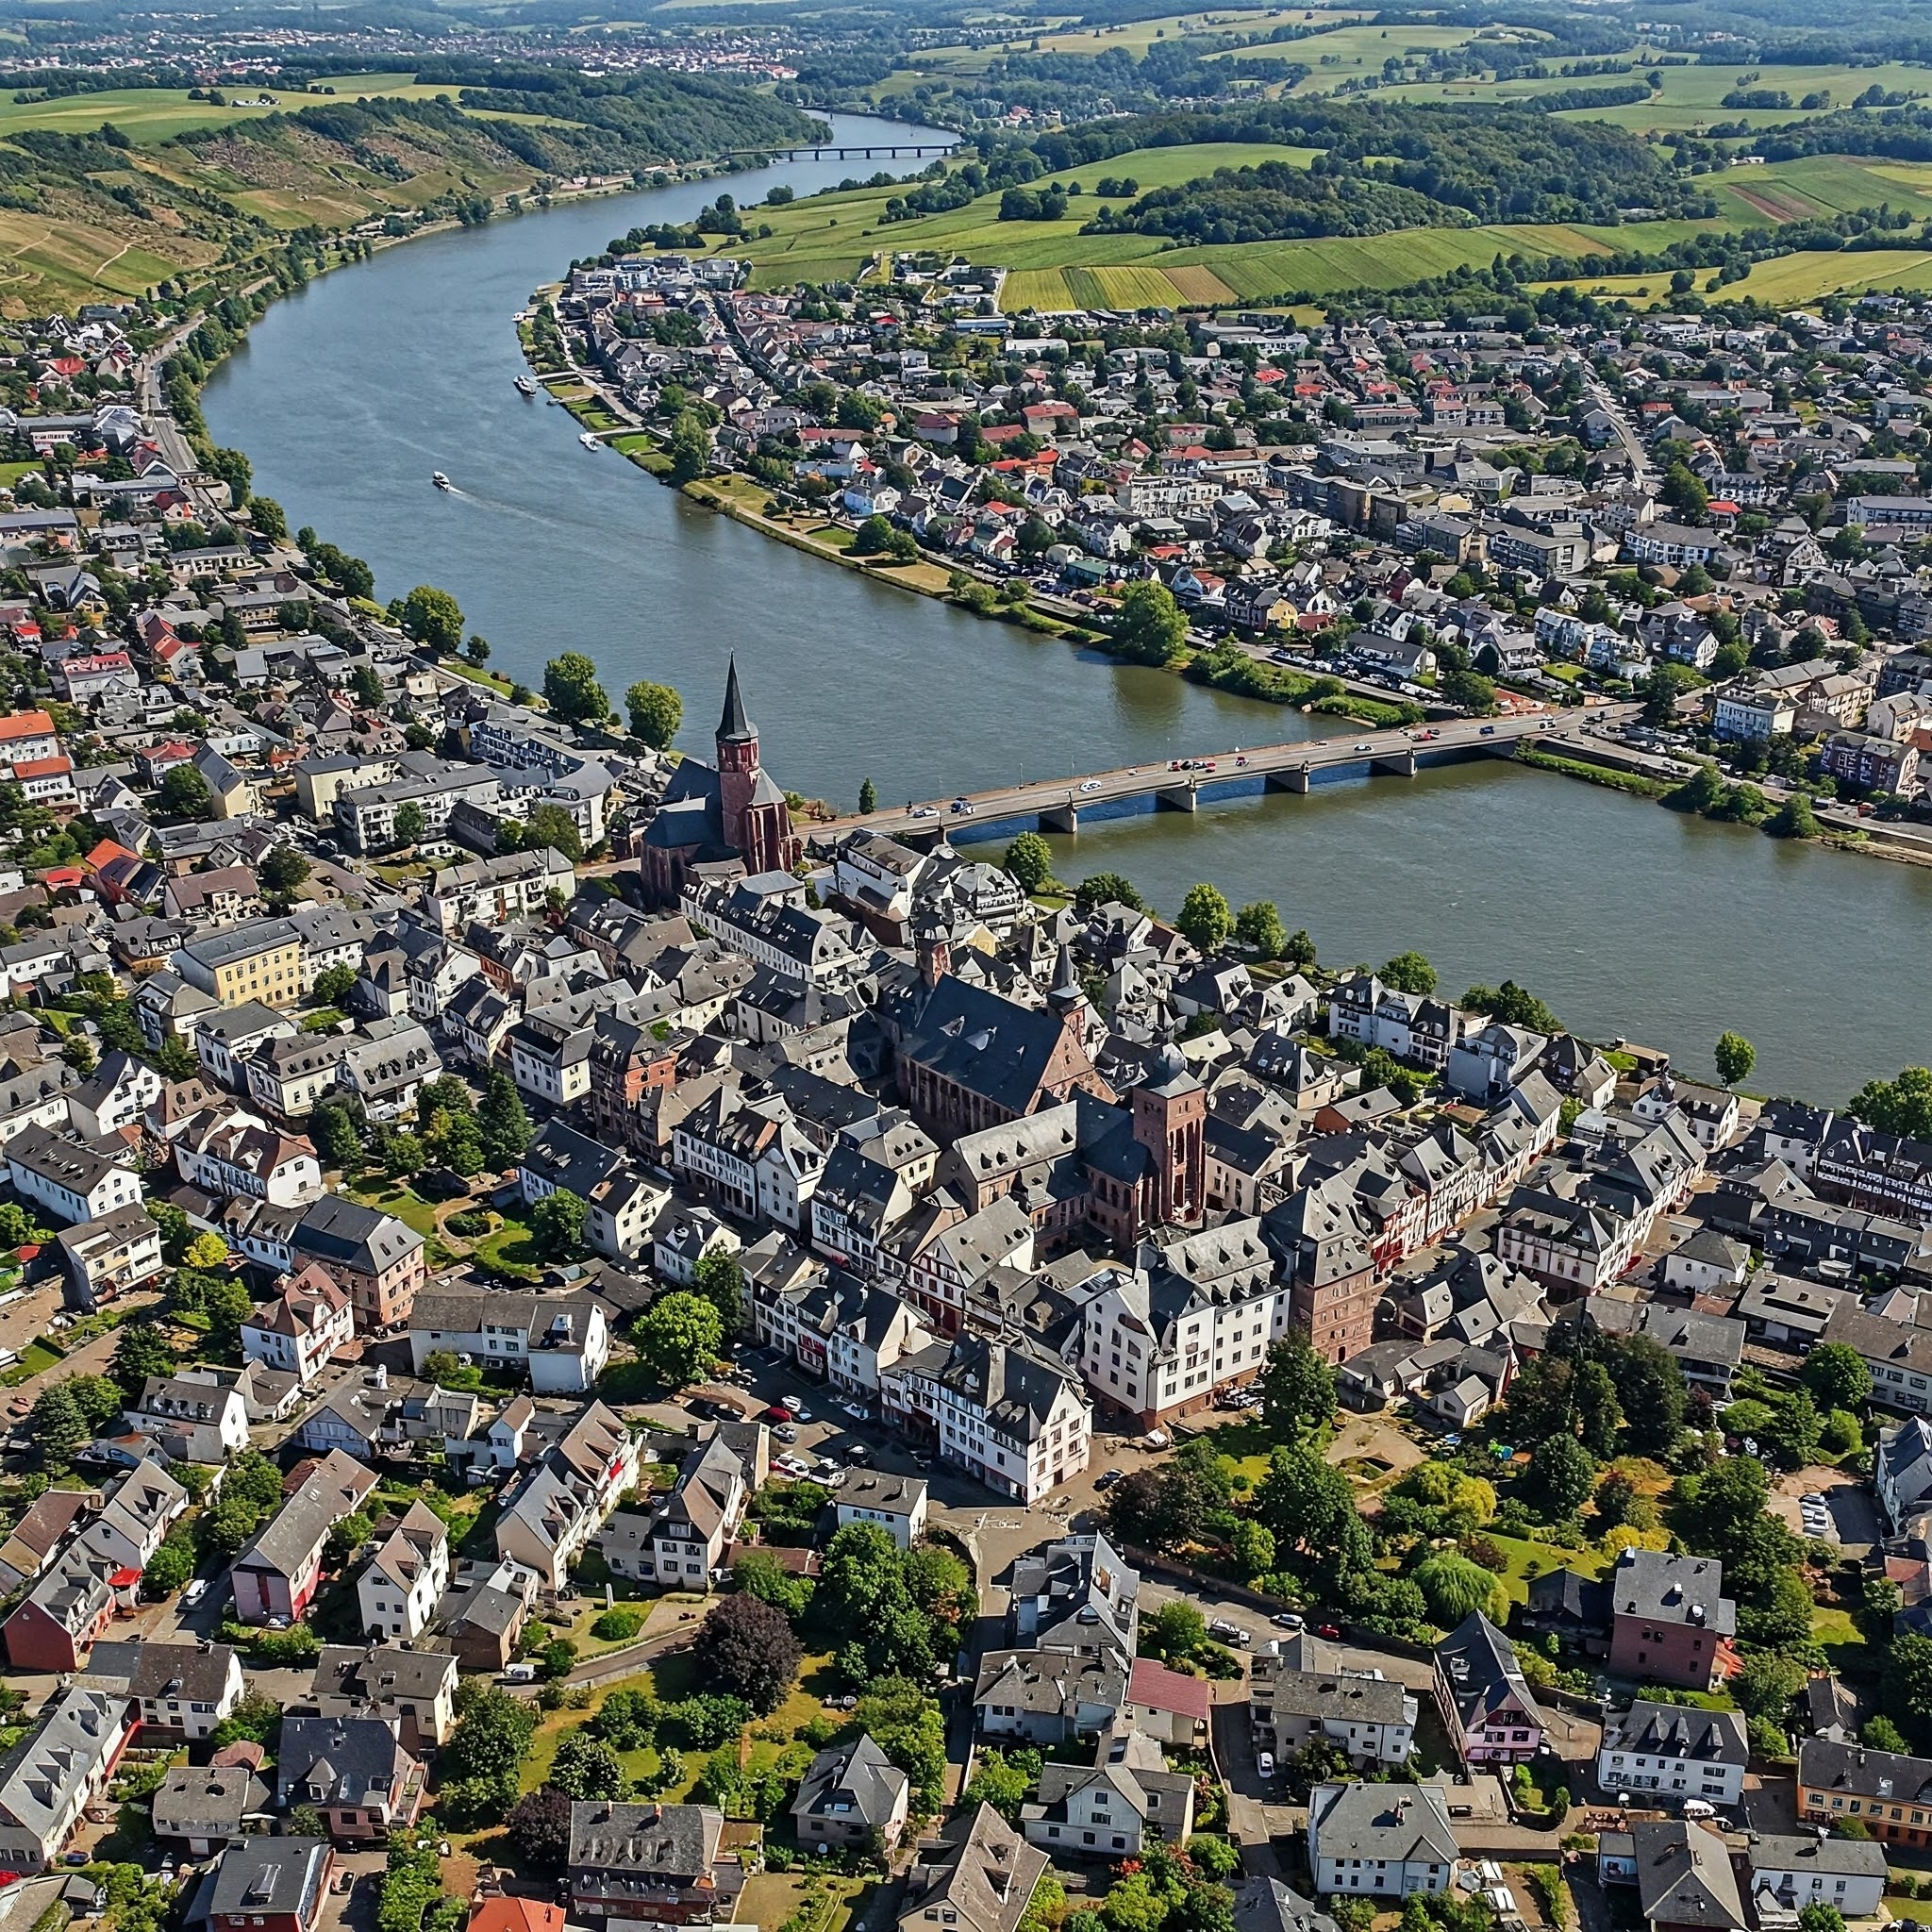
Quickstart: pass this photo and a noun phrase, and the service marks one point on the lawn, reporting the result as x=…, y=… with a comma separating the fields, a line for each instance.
x=35, y=1360
x=1528, y=1560
x=395, y=1197
x=509, y=1248
x=1837, y=1634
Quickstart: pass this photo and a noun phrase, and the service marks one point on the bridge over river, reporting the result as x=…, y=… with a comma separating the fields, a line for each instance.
x=1054, y=804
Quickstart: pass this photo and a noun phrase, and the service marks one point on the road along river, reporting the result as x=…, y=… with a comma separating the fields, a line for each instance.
x=1627, y=917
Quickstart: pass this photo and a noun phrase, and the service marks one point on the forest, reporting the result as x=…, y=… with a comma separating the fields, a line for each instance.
x=1412, y=166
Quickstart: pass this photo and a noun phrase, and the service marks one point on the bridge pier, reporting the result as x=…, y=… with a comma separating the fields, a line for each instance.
x=1060, y=818
x=1177, y=798
x=1294, y=779
x=1397, y=764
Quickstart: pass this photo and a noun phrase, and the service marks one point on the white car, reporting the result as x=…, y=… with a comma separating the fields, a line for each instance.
x=1264, y=1763
x=196, y=1591
x=796, y=1467
x=1365, y=745
x=857, y=1410
x=792, y=1402
x=1091, y=785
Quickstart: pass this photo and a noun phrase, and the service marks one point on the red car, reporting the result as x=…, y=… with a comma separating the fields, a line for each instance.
x=1327, y=1630
x=777, y=1415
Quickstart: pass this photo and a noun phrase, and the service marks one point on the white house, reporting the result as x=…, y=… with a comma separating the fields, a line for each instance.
x=302, y=1329
x=1789, y=1872
x=72, y=1181
x=1383, y=1840
x=895, y=1503
x=399, y=1590
x=562, y=1341
x=1676, y=1752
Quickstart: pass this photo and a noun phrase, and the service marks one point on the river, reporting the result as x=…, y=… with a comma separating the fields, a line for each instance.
x=1627, y=919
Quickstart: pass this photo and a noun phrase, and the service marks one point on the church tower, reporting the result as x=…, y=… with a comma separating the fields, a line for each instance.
x=1170, y=1122
x=738, y=763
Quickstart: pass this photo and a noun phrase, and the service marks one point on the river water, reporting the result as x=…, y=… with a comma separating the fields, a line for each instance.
x=1625, y=918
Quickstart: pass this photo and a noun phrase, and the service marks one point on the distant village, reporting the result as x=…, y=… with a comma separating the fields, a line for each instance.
x=586, y=1349
x=1448, y=516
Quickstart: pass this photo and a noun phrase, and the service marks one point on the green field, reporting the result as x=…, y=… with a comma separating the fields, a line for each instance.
x=1792, y=280
x=149, y=115
x=1052, y=266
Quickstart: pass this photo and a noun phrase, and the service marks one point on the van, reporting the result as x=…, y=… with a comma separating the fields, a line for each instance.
x=521, y=1674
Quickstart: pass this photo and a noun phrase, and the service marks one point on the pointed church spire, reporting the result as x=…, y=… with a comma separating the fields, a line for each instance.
x=734, y=727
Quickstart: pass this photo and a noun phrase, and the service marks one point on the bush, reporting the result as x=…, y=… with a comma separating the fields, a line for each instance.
x=619, y=1624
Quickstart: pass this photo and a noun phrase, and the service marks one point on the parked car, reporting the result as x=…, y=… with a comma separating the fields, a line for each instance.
x=1107, y=1479
x=777, y=1414
x=521, y=1674
x=792, y=1405
x=1289, y=1619
x=785, y=1433
x=1264, y=1763
x=1330, y=1631
x=1230, y=1632
x=857, y=1410
x=196, y=1591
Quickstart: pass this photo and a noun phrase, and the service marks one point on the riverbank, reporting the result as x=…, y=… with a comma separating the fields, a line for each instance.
x=748, y=502
x=956, y=583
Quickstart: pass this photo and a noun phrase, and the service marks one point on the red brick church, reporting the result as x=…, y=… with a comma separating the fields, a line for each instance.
x=711, y=814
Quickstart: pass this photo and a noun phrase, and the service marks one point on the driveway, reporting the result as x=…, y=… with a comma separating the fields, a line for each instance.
x=1853, y=1517
x=1233, y=1753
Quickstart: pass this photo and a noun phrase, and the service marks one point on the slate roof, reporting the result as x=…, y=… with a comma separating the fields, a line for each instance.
x=644, y=1848
x=1680, y=1731
x=1479, y=1664
x=857, y=1779
x=1663, y=1588
x=1684, y=1875
x=1401, y=1824
x=207, y=1802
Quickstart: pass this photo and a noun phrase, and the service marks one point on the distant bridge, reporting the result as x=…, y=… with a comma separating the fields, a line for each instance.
x=1054, y=804
x=886, y=151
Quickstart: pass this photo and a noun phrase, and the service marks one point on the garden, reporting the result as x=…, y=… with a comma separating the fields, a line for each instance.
x=1626, y=1454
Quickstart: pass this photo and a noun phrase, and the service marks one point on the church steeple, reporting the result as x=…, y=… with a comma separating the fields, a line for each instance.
x=734, y=727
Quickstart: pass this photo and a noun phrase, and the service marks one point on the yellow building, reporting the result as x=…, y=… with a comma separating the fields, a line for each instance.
x=261, y=960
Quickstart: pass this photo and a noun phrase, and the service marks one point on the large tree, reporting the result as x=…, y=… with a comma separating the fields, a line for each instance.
x=538, y=1829
x=678, y=1336
x=718, y=1277
x=655, y=711
x=1149, y=627
x=1205, y=918
x=1897, y=1106
x=746, y=1648
x=184, y=793
x=558, y=1223
x=1409, y=973
x=586, y=1767
x=56, y=1426
x=571, y=691
x=1651, y=1387
x=1836, y=1375
x=1297, y=1386
x=1563, y=1473
x=432, y=617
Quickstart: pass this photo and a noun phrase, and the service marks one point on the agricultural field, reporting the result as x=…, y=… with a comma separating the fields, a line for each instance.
x=1052, y=266
x=1790, y=281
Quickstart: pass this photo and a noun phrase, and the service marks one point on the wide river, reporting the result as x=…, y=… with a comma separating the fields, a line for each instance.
x=1627, y=919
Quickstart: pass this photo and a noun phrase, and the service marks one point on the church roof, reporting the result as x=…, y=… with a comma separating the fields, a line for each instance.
x=734, y=727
